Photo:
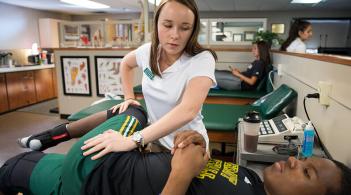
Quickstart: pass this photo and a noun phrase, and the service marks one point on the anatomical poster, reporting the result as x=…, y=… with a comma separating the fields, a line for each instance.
x=76, y=75
x=108, y=79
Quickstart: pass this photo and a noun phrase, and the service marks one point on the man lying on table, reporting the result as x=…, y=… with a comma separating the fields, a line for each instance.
x=187, y=171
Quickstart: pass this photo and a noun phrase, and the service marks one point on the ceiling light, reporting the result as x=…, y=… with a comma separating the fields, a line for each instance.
x=306, y=1
x=155, y=2
x=87, y=3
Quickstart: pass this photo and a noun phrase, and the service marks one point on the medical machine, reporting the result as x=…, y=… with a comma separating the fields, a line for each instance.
x=273, y=131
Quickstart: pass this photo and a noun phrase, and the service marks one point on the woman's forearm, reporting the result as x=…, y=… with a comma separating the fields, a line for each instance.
x=127, y=77
x=170, y=122
x=192, y=100
x=248, y=80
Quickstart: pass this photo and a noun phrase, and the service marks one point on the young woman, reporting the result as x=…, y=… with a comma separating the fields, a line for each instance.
x=177, y=75
x=249, y=79
x=300, y=32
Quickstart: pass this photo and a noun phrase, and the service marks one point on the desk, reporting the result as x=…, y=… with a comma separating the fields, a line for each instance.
x=264, y=153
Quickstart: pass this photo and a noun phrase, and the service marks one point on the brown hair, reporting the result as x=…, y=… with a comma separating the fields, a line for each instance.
x=192, y=47
x=296, y=27
x=264, y=54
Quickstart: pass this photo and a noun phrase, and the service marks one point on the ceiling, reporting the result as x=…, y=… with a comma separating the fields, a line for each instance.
x=123, y=6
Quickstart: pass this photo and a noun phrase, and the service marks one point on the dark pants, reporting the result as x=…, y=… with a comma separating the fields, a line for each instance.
x=15, y=173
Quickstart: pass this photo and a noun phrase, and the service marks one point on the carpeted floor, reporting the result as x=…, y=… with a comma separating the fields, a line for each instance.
x=27, y=121
x=41, y=108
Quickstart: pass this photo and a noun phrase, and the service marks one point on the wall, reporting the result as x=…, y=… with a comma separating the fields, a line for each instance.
x=279, y=17
x=19, y=26
x=329, y=34
x=348, y=44
x=332, y=123
x=103, y=17
x=71, y=104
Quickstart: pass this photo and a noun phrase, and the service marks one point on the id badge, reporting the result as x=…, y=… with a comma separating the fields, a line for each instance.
x=149, y=73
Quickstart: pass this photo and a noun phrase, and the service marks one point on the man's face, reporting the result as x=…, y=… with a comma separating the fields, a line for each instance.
x=301, y=177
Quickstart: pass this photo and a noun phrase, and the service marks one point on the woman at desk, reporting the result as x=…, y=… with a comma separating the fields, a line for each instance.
x=300, y=32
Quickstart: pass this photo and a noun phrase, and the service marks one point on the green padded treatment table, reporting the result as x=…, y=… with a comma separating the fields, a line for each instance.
x=273, y=103
x=223, y=93
x=216, y=116
x=262, y=89
x=220, y=117
x=236, y=93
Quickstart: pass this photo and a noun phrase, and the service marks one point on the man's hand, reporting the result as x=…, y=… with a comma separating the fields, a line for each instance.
x=186, y=164
x=187, y=137
x=189, y=161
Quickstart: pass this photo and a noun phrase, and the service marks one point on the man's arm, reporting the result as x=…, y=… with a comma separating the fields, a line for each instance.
x=184, y=138
x=186, y=164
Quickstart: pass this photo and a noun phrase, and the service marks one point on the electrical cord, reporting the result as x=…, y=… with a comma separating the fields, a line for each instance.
x=315, y=95
x=270, y=78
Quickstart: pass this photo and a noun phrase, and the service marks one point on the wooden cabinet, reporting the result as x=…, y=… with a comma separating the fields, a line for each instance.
x=21, y=89
x=54, y=81
x=18, y=89
x=49, y=33
x=4, y=105
x=44, y=84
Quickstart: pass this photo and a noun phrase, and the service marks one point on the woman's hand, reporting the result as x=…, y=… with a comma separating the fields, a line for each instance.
x=187, y=137
x=109, y=141
x=236, y=72
x=124, y=105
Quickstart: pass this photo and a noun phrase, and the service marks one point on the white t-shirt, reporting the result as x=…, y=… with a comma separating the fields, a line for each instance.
x=297, y=46
x=163, y=94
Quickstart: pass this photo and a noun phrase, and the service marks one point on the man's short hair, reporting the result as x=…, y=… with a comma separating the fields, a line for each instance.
x=345, y=184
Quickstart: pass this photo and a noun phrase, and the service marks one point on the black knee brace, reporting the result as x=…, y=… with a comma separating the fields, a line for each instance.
x=49, y=138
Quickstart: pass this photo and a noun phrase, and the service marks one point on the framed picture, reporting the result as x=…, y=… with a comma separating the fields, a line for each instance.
x=108, y=78
x=278, y=28
x=249, y=35
x=76, y=75
x=237, y=37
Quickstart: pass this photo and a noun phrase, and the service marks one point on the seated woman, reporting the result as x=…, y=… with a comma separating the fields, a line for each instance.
x=249, y=79
x=154, y=173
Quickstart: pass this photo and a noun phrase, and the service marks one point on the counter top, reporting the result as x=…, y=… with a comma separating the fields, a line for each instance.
x=26, y=68
x=215, y=48
x=344, y=60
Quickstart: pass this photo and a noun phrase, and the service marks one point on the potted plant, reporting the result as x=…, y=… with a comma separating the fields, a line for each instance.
x=271, y=38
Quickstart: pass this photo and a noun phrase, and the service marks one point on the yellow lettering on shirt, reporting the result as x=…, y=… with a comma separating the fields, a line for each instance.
x=211, y=169
x=230, y=171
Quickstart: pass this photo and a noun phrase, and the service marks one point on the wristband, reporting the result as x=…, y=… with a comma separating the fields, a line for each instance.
x=129, y=99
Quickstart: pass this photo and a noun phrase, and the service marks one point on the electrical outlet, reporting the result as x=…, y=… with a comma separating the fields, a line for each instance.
x=280, y=69
x=324, y=89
